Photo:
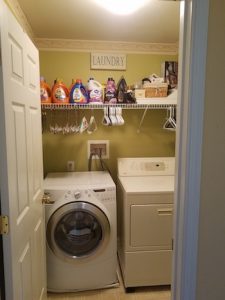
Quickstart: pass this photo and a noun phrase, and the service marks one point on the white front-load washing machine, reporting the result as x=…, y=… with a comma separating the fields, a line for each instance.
x=80, y=231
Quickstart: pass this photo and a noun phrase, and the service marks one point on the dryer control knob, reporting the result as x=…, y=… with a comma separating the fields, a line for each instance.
x=77, y=195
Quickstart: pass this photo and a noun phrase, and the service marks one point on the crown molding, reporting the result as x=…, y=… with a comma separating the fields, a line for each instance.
x=89, y=45
x=20, y=16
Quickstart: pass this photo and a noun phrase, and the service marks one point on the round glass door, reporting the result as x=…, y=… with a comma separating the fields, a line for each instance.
x=77, y=230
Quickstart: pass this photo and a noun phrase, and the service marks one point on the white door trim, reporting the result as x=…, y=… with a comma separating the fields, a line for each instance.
x=192, y=64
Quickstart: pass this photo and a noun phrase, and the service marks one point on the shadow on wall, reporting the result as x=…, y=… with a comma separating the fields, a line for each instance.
x=124, y=141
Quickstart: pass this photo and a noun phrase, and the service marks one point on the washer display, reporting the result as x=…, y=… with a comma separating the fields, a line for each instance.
x=80, y=231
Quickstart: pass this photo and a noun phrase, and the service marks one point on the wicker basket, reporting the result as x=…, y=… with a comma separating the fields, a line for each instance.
x=156, y=90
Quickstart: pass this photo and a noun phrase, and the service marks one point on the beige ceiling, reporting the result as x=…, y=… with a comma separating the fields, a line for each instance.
x=157, y=22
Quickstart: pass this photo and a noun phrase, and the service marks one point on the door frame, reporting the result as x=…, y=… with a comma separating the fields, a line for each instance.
x=189, y=147
x=192, y=74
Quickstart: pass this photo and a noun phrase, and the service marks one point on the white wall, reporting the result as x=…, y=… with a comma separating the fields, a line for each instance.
x=211, y=255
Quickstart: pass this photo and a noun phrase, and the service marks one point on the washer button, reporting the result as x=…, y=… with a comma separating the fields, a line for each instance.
x=77, y=195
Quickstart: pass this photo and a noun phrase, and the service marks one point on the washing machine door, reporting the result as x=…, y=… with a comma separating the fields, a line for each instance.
x=78, y=231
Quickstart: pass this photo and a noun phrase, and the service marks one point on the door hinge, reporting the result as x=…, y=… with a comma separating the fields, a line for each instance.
x=4, y=225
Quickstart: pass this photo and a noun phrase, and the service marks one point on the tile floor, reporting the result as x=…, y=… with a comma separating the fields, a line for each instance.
x=116, y=293
x=160, y=293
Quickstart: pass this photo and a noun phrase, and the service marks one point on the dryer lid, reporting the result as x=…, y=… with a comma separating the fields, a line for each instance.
x=148, y=184
x=146, y=166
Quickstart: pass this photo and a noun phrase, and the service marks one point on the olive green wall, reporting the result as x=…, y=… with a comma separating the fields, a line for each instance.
x=124, y=141
x=68, y=65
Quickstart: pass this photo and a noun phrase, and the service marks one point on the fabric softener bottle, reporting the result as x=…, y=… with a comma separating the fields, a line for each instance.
x=95, y=91
x=110, y=93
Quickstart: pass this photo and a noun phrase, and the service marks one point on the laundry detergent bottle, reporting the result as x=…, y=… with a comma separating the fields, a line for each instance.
x=95, y=91
x=110, y=92
x=78, y=94
x=45, y=91
x=60, y=93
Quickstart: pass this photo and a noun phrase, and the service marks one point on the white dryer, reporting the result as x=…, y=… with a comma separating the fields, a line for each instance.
x=80, y=231
x=145, y=207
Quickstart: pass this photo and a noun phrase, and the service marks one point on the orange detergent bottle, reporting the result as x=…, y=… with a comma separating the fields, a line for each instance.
x=60, y=93
x=45, y=91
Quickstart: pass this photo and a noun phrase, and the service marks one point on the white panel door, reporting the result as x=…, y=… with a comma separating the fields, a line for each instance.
x=21, y=162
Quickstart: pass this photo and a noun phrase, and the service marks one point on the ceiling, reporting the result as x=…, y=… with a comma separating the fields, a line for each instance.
x=157, y=22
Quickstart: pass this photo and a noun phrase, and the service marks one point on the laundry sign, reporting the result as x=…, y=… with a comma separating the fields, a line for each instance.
x=108, y=61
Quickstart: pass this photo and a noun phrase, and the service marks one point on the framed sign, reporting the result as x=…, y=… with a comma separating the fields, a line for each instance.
x=108, y=61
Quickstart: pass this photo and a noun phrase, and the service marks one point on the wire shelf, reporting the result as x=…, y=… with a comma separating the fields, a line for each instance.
x=102, y=106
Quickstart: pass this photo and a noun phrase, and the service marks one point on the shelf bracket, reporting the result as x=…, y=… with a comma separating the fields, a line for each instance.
x=142, y=120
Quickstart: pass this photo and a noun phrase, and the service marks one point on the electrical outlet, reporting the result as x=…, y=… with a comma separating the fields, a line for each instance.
x=98, y=147
x=70, y=165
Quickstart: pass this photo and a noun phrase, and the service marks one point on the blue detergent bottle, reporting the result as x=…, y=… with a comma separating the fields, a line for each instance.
x=78, y=93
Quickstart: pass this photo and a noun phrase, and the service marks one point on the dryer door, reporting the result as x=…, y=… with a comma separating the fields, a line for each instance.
x=78, y=231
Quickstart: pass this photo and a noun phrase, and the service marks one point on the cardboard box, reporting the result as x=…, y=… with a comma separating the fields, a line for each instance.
x=139, y=93
x=156, y=90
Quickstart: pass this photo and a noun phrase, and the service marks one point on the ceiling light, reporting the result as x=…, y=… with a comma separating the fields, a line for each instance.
x=121, y=7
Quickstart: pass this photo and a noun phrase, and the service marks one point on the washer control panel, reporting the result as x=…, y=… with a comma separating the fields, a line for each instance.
x=77, y=195
x=102, y=194
x=107, y=194
x=72, y=195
